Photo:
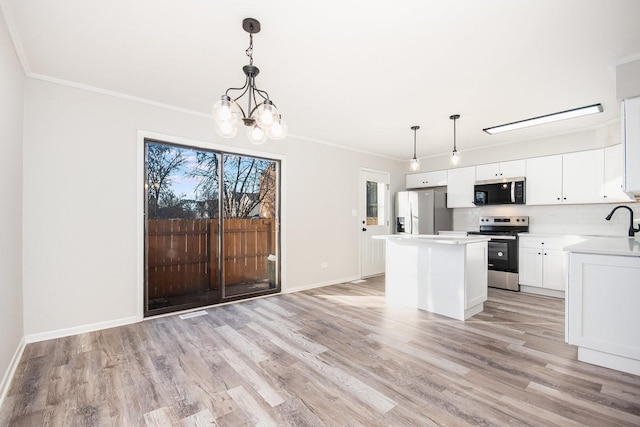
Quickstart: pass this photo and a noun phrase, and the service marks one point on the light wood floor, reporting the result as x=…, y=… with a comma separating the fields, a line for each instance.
x=331, y=356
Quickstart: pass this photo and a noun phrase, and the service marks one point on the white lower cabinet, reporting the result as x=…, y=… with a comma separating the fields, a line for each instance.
x=542, y=262
x=602, y=315
x=530, y=266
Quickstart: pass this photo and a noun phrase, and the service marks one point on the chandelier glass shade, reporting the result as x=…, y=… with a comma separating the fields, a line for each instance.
x=455, y=156
x=414, y=166
x=261, y=117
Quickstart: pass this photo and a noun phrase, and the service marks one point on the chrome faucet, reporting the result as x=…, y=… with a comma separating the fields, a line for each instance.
x=632, y=230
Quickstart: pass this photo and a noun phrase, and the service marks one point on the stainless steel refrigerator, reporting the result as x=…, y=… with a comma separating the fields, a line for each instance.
x=423, y=211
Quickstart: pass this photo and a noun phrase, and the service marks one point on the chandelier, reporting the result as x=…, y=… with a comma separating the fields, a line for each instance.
x=261, y=116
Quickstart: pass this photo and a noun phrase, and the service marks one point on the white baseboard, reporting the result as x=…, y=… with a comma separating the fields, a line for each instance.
x=319, y=285
x=11, y=370
x=541, y=291
x=61, y=333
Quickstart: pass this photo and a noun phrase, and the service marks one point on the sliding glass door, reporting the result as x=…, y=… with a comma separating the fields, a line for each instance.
x=211, y=227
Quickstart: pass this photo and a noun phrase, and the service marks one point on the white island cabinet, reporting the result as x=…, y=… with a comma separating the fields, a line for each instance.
x=602, y=315
x=446, y=275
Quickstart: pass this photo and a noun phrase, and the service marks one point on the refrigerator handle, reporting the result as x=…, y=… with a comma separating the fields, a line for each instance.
x=410, y=228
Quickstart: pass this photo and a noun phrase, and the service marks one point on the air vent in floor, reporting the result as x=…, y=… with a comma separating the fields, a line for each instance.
x=193, y=314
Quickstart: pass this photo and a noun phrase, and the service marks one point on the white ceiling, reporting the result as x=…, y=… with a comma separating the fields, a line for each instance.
x=350, y=72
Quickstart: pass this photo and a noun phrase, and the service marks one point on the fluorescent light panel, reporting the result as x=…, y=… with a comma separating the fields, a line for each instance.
x=562, y=115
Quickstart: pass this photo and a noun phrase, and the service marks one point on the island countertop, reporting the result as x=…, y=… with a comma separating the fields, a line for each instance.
x=621, y=246
x=433, y=238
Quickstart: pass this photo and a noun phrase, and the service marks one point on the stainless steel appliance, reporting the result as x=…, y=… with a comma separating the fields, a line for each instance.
x=423, y=211
x=499, y=192
x=503, y=248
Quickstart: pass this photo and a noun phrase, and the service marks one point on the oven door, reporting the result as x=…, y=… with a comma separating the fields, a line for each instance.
x=503, y=254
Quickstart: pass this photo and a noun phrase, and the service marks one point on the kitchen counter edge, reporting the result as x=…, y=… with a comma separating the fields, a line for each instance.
x=620, y=246
x=432, y=238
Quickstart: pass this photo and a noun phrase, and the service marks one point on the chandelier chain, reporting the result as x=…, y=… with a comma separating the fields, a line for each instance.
x=249, y=50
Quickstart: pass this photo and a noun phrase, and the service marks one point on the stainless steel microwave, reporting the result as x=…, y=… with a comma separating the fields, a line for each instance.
x=499, y=192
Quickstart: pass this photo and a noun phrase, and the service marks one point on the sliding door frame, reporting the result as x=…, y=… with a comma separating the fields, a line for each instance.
x=141, y=196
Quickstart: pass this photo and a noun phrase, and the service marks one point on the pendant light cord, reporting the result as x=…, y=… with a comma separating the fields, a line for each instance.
x=454, y=117
x=454, y=135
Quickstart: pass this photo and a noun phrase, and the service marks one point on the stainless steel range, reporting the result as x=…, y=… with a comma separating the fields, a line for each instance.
x=503, y=248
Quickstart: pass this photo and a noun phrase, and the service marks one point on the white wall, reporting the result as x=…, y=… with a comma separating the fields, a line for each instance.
x=11, y=119
x=81, y=202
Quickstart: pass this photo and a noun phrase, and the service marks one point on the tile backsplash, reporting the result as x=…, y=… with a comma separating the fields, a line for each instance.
x=558, y=219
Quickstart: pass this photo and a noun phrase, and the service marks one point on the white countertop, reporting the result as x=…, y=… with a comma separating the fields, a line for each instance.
x=432, y=238
x=623, y=246
x=451, y=233
x=552, y=235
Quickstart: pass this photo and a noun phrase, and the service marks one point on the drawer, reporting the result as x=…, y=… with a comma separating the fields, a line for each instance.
x=546, y=242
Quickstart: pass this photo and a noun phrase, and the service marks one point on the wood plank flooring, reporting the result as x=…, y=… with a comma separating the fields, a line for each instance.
x=333, y=356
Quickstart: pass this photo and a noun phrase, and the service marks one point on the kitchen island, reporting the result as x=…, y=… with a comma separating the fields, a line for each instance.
x=602, y=315
x=446, y=275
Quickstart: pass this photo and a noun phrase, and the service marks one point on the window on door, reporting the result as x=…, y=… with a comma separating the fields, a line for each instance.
x=211, y=227
x=375, y=203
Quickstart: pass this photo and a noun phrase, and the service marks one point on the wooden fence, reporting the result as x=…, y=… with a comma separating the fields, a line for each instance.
x=183, y=254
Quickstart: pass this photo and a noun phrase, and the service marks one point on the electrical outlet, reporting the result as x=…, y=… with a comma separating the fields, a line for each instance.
x=324, y=265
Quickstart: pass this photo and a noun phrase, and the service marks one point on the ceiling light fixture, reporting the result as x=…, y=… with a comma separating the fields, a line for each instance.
x=562, y=115
x=455, y=157
x=415, y=163
x=261, y=116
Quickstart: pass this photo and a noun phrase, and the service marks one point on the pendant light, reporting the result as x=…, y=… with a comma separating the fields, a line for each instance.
x=415, y=163
x=261, y=117
x=455, y=157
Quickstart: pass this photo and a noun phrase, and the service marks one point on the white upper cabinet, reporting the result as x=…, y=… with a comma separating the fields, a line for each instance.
x=512, y=169
x=544, y=180
x=460, y=182
x=583, y=177
x=427, y=179
x=612, y=189
x=631, y=141
x=572, y=178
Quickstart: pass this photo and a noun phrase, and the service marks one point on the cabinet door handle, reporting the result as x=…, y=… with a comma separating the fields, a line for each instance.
x=364, y=229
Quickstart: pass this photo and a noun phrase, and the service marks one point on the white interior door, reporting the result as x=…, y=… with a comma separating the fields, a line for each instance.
x=375, y=219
